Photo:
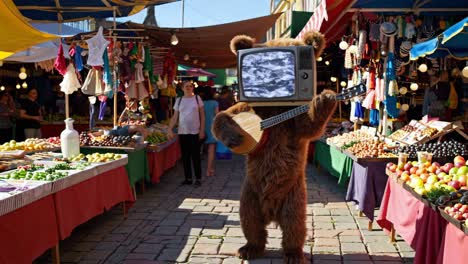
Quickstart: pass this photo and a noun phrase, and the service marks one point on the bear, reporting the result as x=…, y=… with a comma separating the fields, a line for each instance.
x=274, y=189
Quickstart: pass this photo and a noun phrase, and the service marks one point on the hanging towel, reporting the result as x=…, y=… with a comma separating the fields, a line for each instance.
x=60, y=64
x=77, y=58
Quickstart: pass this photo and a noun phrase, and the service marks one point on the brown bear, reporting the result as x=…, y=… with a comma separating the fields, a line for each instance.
x=275, y=187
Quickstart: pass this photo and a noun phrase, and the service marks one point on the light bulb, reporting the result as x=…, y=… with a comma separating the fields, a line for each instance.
x=422, y=67
x=186, y=57
x=327, y=63
x=195, y=61
x=333, y=79
x=203, y=65
x=2, y=88
x=403, y=90
x=195, y=84
x=174, y=40
x=24, y=85
x=414, y=86
x=22, y=69
x=319, y=59
x=404, y=107
x=343, y=84
x=343, y=45
x=22, y=75
x=18, y=86
x=465, y=72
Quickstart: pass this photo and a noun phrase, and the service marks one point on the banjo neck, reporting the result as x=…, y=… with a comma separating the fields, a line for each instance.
x=344, y=95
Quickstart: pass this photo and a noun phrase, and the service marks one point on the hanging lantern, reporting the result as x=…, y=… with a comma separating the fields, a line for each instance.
x=23, y=69
x=414, y=87
x=465, y=71
x=319, y=59
x=422, y=67
x=404, y=107
x=2, y=88
x=24, y=85
x=327, y=63
x=333, y=79
x=403, y=90
x=174, y=39
x=18, y=86
x=343, y=44
x=343, y=84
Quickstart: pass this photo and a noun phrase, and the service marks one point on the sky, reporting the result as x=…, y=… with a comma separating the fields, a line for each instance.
x=198, y=13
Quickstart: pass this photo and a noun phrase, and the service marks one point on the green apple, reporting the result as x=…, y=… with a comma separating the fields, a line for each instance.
x=416, y=182
x=463, y=170
x=453, y=171
x=432, y=179
x=420, y=190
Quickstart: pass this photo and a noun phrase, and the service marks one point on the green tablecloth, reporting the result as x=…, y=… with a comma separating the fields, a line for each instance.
x=334, y=161
x=137, y=167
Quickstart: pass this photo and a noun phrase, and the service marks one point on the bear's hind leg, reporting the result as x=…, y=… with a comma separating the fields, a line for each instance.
x=252, y=223
x=293, y=224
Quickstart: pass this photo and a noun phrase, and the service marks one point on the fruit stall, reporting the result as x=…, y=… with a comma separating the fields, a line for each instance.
x=59, y=194
x=435, y=198
x=359, y=157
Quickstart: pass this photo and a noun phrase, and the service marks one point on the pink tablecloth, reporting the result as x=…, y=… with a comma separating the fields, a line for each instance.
x=28, y=231
x=81, y=202
x=431, y=236
x=159, y=162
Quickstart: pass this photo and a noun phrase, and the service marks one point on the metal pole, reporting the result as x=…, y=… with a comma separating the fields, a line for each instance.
x=183, y=6
x=114, y=77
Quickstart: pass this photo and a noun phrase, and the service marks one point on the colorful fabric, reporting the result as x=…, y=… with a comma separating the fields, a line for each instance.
x=60, y=64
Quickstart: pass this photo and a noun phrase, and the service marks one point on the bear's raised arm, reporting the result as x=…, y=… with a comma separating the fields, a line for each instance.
x=225, y=129
x=312, y=125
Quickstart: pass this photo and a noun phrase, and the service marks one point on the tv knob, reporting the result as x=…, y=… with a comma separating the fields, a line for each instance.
x=305, y=76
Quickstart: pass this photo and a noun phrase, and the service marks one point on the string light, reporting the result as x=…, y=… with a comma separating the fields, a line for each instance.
x=174, y=39
x=18, y=86
x=343, y=44
x=422, y=67
x=2, y=88
x=333, y=79
x=465, y=71
x=23, y=75
x=195, y=61
x=24, y=85
x=343, y=84
x=327, y=63
x=186, y=57
x=319, y=59
x=414, y=87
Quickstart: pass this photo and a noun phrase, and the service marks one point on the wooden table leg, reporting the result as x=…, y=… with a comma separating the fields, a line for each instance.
x=369, y=226
x=392, y=234
x=55, y=254
x=360, y=214
x=125, y=213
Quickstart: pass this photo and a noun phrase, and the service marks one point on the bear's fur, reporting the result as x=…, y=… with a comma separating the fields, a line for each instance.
x=275, y=187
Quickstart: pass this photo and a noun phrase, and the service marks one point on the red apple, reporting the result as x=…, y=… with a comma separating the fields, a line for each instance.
x=462, y=179
x=459, y=161
x=413, y=170
x=457, y=206
x=408, y=166
x=447, y=167
x=454, y=184
x=465, y=215
x=441, y=175
x=393, y=167
x=458, y=216
x=463, y=209
x=436, y=164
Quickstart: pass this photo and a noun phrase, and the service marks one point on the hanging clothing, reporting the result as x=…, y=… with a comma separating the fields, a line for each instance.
x=77, y=58
x=102, y=107
x=139, y=77
x=136, y=90
x=60, y=64
x=374, y=117
x=97, y=46
x=107, y=76
x=70, y=82
x=369, y=101
x=93, y=83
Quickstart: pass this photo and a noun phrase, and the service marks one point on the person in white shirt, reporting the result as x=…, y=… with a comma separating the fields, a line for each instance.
x=189, y=114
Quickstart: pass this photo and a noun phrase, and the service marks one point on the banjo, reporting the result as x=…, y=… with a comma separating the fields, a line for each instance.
x=252, y=125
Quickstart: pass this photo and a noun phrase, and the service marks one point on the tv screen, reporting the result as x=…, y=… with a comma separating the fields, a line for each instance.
x=269, y=74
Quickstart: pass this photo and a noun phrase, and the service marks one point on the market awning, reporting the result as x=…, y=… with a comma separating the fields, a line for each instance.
x=197, y=72
x=450, y=43
x=208, y=45
x=73, y=10
x=16, y=33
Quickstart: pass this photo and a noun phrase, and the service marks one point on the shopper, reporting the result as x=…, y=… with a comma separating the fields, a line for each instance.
x=211, y=109
x=30, y=115
x=190, y=117
x=7, y=112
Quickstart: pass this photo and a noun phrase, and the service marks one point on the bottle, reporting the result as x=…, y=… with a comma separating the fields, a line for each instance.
x=69, y=140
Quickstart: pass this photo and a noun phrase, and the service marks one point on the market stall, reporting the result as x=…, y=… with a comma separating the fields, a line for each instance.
x=50, y=197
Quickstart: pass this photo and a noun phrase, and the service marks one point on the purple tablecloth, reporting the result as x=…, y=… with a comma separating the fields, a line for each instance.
x=367, y=186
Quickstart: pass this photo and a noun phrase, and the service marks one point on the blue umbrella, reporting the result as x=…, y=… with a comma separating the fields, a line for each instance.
x=453, y=42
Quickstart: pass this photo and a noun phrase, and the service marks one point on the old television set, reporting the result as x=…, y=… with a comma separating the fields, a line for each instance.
x=276, y=75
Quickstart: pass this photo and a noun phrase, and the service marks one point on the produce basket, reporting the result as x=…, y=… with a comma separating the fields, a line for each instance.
x=459, y=224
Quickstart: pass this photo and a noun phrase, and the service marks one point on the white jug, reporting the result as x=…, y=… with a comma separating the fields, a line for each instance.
x=69, y=140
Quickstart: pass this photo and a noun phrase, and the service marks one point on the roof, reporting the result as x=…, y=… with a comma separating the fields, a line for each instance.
x=73, y=10
x=209, y=45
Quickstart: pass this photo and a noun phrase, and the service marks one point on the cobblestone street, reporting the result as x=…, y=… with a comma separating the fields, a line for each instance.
x=170, y=223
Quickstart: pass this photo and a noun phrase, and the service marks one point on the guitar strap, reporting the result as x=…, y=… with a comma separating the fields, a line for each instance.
x=261, y=143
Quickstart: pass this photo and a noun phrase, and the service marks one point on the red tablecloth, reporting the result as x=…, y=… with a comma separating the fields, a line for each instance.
x=81, y=202
x=159, y=162
x=29, y=231
x=431, y=236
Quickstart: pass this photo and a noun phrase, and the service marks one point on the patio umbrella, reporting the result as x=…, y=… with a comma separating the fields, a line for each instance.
x=450, y=43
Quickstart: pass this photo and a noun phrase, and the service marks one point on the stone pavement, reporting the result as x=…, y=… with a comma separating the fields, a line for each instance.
x=170, y=223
